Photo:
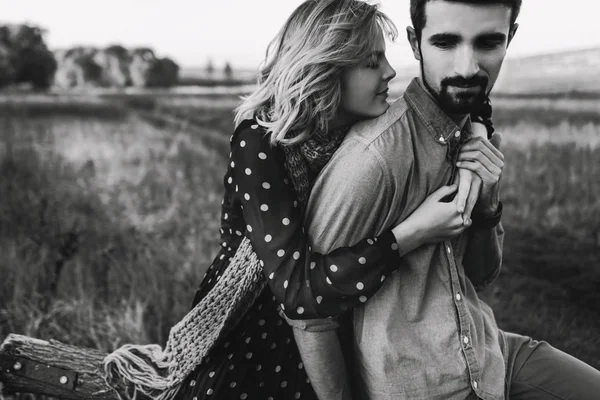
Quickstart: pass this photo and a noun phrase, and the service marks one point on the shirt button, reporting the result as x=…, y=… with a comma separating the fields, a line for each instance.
x=457, y=134
x=441, y=139
x=458, y=296
x=466, y=340
x=448, y=249
x=475, y=385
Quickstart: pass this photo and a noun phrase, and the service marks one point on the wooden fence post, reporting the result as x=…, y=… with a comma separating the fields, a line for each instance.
x=29, y=365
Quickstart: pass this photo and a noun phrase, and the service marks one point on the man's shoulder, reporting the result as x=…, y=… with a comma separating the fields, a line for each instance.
x=391, y=121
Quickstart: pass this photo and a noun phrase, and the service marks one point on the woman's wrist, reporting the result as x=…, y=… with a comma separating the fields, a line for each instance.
x=409, y=236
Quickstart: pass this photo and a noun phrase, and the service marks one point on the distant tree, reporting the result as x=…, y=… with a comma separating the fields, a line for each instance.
x=210, y=68
x=25, y=53
x=228, y=70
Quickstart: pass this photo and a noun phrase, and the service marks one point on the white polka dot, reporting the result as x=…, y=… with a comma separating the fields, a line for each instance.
x=230, y=356
x=226, y=345
x=243, y=143
x=254, y=126
x=261, y=322
x=262, y=264
x=262, y=384
x=394, y=246
x=300, y=365
x=243, y=396
x=264, y=207
x=230, y=180
x=222, y=256
x=300, y=310
x=262, y=156
x=362, y=260
x=248, y=171
x=313, y=265
x=264, y=335
x=266, y=185
x=296, y=255
x=193, y=383
x=283, y=307
x=382, y=278
x=212, y=373
x=370, y=241
x=333, y=268
x=248, y=339
x=232, y=385
x=285, y=284
x=329, y=281
x=237, y=189
x=232, y=164
x=281, y=252
x=278, y=368
x=225, y=216
x=363, y=299
x=249, y=228
x=238, y=233
x=284, y=384
x=360, y=286
x=273, y=345
x=258, y=367
x=249, y=356
x=319, y=299
x=231, y=367
x=285, y=221
x=297, y=395
x=209, y=392
x=295, y=203
x=224, y=244
x=247, y=196
x=268, y=238
x=286, y=181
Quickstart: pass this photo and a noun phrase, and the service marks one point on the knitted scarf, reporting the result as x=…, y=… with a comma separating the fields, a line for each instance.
x=158, y=373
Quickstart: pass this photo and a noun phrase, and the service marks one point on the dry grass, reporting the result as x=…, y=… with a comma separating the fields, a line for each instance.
x=110, y=212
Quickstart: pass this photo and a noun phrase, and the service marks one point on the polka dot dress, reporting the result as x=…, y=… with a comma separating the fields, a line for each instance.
x=258, y=359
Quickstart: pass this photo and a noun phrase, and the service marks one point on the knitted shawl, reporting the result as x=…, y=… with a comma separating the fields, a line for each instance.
x=158, y=373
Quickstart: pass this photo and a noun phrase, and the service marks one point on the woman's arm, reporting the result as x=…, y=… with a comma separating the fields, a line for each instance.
x=307, y=284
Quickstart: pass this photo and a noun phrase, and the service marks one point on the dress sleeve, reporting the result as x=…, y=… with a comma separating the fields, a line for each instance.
x=307, y=284
x=483, y=115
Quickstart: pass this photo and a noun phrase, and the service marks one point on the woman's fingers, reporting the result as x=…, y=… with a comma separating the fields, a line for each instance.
x=465, y=178
x=473, y=196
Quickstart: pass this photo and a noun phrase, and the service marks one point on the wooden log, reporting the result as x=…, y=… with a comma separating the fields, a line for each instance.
x=29, y=365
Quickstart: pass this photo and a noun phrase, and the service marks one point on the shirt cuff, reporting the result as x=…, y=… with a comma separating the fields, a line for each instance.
x=312, y=325
x=482, y=221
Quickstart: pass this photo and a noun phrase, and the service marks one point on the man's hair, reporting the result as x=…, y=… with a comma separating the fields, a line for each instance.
x=419, y=19
x=299, y=89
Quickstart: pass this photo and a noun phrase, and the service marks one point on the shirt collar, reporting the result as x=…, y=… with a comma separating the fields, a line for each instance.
x=438, y=123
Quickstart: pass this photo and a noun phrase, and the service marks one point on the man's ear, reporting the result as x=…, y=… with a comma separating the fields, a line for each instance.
x=413, y=40
x=512, y=33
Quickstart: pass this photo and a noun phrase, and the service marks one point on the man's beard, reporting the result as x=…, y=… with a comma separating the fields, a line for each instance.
x=461, y=102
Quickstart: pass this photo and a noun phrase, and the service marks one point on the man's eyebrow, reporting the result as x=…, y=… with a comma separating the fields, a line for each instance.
x=443, y=36
x=496, y=36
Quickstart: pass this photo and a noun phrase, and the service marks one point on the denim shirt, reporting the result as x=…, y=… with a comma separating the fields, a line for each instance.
x=425, y=334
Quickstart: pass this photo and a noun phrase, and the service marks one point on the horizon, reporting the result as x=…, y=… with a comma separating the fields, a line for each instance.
x=202, y=34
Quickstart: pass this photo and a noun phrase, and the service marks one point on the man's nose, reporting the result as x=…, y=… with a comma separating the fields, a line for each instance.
x=466, y=64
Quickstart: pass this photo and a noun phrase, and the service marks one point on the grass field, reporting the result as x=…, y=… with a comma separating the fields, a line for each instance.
x=110, y=209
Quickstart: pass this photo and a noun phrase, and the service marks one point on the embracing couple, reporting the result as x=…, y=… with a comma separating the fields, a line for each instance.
x=374, y=226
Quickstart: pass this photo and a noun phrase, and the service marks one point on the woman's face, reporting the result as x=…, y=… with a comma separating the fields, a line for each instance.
x=365, y=86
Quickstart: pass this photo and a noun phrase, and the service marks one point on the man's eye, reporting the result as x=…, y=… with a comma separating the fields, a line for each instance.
x=444, y=45
x=490, y=44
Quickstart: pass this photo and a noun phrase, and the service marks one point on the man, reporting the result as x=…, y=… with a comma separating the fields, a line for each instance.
x=426, y=334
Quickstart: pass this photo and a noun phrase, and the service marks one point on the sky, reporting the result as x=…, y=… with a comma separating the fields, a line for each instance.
x=238, y=31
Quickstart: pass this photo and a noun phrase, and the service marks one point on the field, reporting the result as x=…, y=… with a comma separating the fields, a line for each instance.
x=110, y=208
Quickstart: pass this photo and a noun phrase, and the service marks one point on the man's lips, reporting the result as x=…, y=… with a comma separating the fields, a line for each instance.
x=383, y=92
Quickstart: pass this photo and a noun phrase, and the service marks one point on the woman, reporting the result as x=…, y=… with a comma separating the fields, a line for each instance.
x=326, y=70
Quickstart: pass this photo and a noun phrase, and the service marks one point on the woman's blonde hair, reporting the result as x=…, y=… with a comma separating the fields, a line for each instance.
x=299, y=88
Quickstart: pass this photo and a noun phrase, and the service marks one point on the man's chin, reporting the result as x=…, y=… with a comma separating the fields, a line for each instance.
x=456, y=105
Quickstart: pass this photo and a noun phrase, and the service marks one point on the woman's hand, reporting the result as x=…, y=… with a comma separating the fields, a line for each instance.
x=432, y=222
